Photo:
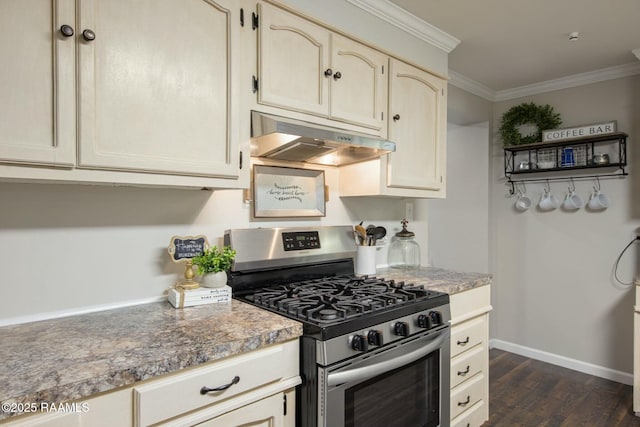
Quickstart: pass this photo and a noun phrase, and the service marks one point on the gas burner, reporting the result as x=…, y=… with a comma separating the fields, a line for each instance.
x=328, y=314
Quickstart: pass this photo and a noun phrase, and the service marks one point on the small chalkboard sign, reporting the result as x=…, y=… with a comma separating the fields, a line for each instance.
x=183, y=248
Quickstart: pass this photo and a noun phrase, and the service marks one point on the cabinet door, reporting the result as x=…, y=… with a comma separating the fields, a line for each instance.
x=37, y=112
x=263, y=413
x=293, y=56
x=358, y=84
x=417, y=124
x=157, y=86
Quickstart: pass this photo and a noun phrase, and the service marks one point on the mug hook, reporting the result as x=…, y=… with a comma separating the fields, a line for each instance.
x=597, y=186
x=547, y=187
x=572, y=186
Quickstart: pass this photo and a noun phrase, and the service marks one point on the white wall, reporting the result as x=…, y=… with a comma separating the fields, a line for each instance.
x=65, y=248
x=459, y=224
x=553, y=287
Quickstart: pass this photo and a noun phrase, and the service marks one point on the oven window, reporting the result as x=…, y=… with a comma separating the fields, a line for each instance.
x=408, y=396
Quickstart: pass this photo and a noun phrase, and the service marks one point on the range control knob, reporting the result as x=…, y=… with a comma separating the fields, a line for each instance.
x=424, y=321
x=374, y=337
x=436, y=318
x=401, y=329
x=359, y=343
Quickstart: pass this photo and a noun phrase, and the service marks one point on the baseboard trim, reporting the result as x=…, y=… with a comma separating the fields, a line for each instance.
x=565, y=362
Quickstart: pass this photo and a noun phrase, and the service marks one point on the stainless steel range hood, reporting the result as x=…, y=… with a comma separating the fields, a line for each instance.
x=284, y=139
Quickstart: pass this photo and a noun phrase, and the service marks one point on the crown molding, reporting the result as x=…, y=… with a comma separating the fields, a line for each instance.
x=589, y=77
x=397, y=16
x=465, y=83
x=604, y=74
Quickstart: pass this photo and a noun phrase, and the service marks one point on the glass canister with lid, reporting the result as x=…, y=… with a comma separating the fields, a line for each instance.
x=404, y=252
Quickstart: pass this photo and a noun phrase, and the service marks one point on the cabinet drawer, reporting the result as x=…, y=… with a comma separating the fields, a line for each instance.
x=466, y=365
x=467, y=335
x=473, y=417
x=166, y=398
x=467, y=395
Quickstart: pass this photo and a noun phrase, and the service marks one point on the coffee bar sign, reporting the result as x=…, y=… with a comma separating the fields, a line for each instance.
x=579, y=131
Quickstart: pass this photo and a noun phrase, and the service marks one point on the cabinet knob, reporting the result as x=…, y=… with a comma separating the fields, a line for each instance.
x=66, y=30
x=328, y=72
x=396, y=117
x=337, y=75
x=89, y=35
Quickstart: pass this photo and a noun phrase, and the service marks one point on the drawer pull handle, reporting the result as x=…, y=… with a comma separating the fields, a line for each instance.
x=465, y=372
x=205, y=390
x=465, y=342
x=466, y=402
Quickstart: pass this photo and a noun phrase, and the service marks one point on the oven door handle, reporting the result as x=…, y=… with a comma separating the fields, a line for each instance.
x=365, y=372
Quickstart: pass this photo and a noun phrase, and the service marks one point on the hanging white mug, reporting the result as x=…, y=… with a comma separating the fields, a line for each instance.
x=522, y=203
x=548, y=201
x=598, y=201
x=573, y=201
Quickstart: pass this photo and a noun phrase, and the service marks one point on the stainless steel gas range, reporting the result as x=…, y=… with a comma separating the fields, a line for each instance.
x=374, y=352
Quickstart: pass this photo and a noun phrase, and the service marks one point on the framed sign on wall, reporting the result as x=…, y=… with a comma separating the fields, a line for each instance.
x=288, y=192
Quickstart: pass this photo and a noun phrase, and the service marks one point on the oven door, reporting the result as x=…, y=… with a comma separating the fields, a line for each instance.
x=404, y=384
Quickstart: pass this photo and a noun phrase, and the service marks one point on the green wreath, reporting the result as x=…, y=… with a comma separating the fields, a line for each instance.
x=542, y=116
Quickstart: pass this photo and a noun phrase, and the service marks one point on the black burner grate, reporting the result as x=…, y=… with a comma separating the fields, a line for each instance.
x=337, y=298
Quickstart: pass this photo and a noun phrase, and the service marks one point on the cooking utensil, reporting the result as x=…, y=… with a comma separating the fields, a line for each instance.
x=374, y=233
x=378, y=233
x=361, y=233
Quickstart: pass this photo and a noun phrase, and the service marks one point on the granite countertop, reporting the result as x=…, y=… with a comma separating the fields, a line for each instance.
x=75, y=357
x=438, y=279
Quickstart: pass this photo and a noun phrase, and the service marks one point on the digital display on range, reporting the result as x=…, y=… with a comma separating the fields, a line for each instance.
x=300, y=240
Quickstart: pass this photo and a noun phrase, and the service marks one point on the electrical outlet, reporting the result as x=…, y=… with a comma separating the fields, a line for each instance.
x=408, y=211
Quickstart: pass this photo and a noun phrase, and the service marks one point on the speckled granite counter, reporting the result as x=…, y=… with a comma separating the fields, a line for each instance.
x=438, y=279
x=74, y=357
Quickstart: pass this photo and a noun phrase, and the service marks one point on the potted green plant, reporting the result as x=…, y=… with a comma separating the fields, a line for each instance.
x=213, y=265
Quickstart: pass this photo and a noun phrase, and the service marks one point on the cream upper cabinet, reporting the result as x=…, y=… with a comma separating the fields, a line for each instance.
x=358, y=84
x=417, y=113
x=129, y=92
x=417, y=124
x=293, y=56
x=157, y=86
x=37, y=111
x=306, y=68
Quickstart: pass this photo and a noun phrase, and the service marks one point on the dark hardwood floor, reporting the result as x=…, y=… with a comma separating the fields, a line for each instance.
x=526, y=392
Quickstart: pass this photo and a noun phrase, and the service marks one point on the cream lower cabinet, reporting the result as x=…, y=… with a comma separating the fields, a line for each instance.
x=636, y=351
x=254, y=389
x=107, y=410
x=417, y=124
x=305, y=68
x=242, y=382
x=142, y=87
x=470, y=357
